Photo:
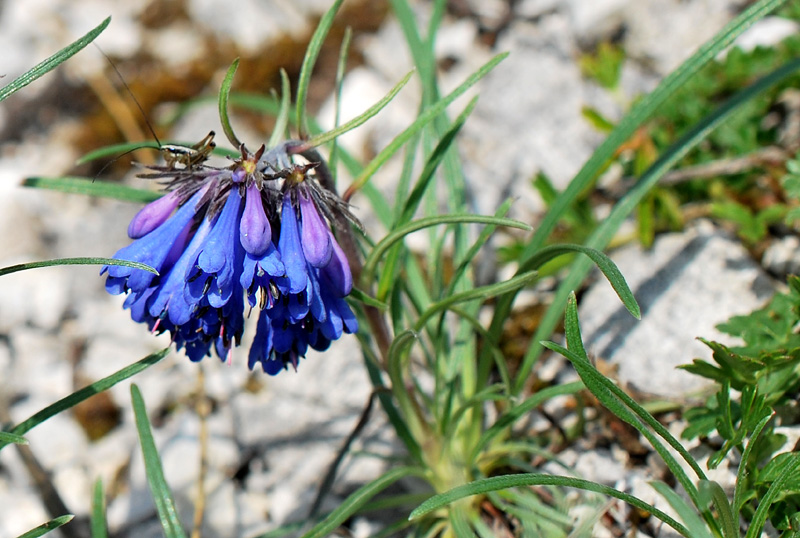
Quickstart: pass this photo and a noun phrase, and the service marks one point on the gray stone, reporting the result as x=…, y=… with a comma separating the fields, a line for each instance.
x=530, y=9
x=663, y=33
x=688, y=283
x=767, y=32
x=782, y=256
x=519, y=127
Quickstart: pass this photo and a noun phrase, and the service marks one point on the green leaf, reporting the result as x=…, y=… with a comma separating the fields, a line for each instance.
x=98, y=515
x=739, y=494
x=604, y=65
x=83, y=185
x=508, y=418
x=310, y=58
x=603, y=262
x=399, y=234
x=597, y=120
x=118, y=150
x=688, y=514
x=10, y=438
x=778, y=487
x=356, y=500
x=322, y=138
x=341, y=68
x=713, y=491
x=362, y=297
x=44, y=528
x=282, y=118
x=470, y=254
x=165, y=504
x=395, y=358
x=224, y=93
x=77, y=397
x=388, y=276
x=75, y=261
x=52, y=62
x=624, y=407
x=497, y=483
x=482, y=293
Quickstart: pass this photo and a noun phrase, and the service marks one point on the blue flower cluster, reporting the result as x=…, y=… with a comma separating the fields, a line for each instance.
x=253, y=235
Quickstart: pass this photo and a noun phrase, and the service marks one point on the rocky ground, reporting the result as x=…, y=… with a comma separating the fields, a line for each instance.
x=276, y=436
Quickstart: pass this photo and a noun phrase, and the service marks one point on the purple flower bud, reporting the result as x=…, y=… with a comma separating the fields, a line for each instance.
x=153, y=215
x=314, y=234
x=255, y=233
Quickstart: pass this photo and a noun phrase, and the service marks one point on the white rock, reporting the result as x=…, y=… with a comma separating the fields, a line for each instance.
x=276, y=18
x=519, y=128
x=664, y=33
x=767, y=32
x=20, y=511
x=597, y=19
x=529, y=9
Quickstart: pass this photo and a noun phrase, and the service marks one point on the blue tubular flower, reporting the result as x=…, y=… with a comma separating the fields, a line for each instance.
x=291, y=251
x=256, y=233
x=309, y=309
x=214, y=272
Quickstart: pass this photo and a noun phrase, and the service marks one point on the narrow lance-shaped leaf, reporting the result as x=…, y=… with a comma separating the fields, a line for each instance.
x=85, y=185
x=422, y=120
x=98, y=515
x=52, y=62
x=224, y=93
x=362, y=118
x=75, y=261
x=118, y=150
x=603, y=262
x=77, y=397
x=498, y=483
x=10, y=438
x=282, y=118
x=483, y=292
x=45, y=528
x=397, y=235
x=310, y=58
x=356, y=500
x=165, y=504
x=687, y=513
x=341, y=67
